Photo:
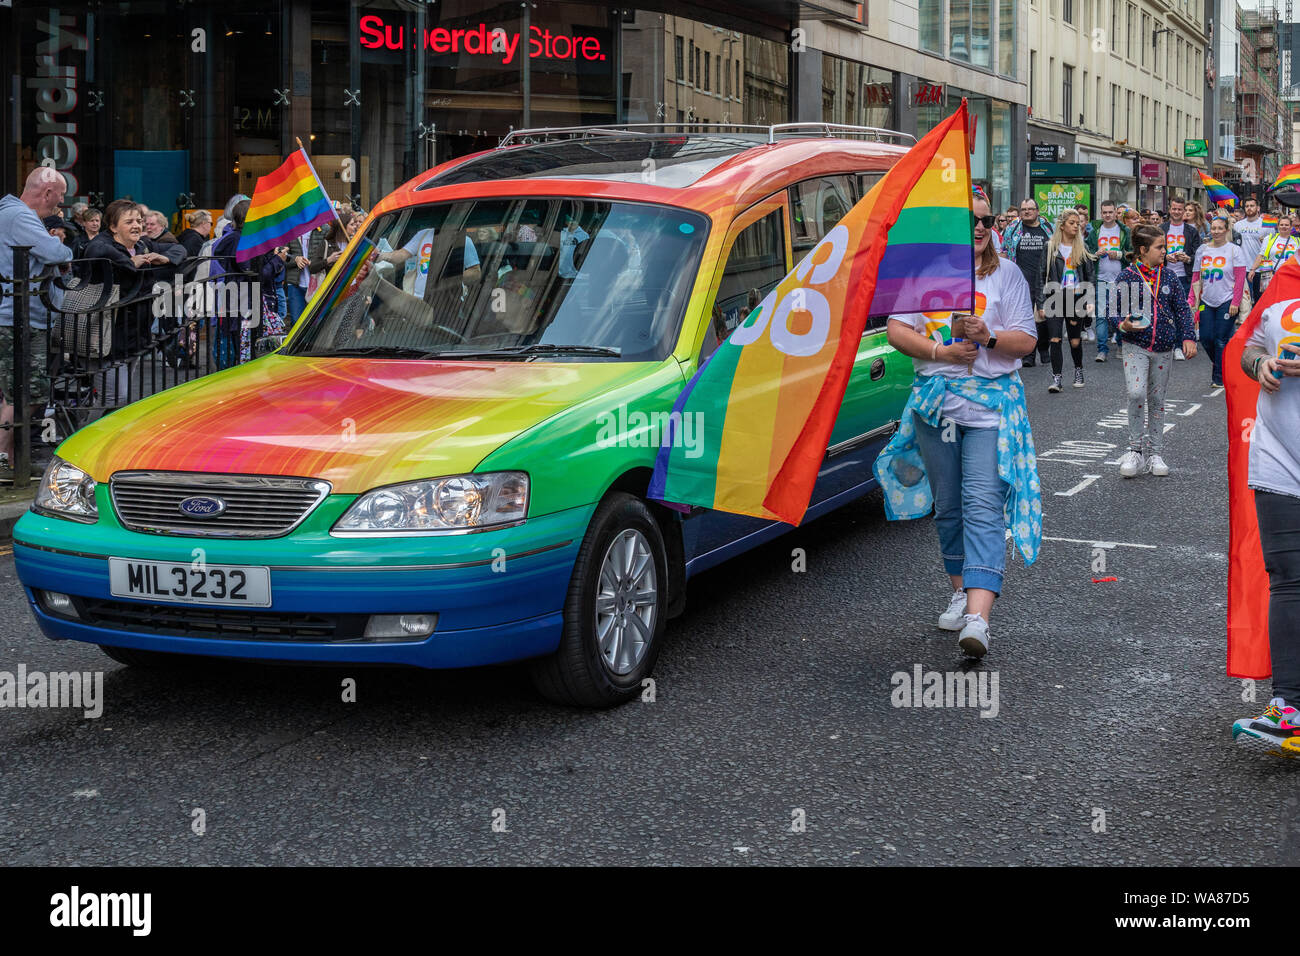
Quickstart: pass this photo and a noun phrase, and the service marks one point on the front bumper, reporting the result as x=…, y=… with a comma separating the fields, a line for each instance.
x=498, y=594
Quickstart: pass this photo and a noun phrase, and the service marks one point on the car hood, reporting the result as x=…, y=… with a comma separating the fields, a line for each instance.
x=355, y=422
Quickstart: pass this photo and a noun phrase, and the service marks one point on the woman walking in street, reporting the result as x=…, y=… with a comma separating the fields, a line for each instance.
x=1070, y=271
x=966, y=430
x=1218, y=281
x=1158, y=319
x=1276, y=249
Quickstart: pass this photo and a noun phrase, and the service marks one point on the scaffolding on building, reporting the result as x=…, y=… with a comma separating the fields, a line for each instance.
x=1260, y=110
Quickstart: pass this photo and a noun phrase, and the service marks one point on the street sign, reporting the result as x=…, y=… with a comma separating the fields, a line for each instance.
x=1044, y=153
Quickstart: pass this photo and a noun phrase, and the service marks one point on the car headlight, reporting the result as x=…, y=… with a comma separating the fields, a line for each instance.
x=456, y=503
x=68, y=492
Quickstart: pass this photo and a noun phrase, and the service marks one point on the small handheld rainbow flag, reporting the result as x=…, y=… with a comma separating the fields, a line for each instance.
x=768, y=396
x=1219, y=194
x=1270, y=220
x=288, y=203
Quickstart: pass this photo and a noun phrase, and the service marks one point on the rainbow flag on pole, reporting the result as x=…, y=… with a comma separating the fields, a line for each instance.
x=286, y=204
x=767, y=397
x=1219, y=194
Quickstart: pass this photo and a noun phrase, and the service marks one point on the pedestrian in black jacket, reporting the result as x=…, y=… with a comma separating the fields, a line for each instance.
x=1069, y=283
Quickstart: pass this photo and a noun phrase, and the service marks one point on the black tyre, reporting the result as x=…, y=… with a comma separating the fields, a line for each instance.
x=133, y=657
x=614, y=612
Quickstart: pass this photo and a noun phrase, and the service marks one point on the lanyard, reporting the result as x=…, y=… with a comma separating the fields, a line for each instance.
x=1155, y=303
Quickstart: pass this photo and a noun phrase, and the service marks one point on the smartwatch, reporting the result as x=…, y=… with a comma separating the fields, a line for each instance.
x=992, y=343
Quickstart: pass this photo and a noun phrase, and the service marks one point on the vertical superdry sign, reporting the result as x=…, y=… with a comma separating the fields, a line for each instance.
x=55, y=85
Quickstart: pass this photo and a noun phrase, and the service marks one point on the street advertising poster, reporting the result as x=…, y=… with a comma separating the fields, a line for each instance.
x=1055, y=198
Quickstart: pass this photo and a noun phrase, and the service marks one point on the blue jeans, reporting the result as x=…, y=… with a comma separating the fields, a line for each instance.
x=297, y=298
x=280, y=303
x=1217, y=327
x=1105, y=293
x=968, y=500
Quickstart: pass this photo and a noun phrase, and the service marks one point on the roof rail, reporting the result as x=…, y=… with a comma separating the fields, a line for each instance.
x=517, y=137
x=876, y=133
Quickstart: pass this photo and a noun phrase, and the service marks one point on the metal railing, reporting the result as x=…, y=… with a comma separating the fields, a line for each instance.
x=111, y=339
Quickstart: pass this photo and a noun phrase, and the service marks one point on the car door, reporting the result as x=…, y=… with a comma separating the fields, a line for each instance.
x=880, y=379
x=754, y=260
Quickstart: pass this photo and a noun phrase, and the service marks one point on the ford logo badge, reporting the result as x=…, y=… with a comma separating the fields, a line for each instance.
x=201, y=506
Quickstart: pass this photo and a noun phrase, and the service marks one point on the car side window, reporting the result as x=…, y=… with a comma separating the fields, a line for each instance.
x=865, y=181
x=755, y=266
x=816, y=205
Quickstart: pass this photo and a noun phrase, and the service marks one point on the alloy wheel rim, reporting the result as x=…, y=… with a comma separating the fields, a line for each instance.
x=627, y=600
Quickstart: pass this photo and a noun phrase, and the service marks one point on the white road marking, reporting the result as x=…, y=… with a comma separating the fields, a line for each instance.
x=1217, y=391
x=1102, y=544
x=1168, y=426
x=1087, y=480
x=1190, y=411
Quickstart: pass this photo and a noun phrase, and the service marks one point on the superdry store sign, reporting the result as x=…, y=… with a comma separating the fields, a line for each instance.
x=495, y=43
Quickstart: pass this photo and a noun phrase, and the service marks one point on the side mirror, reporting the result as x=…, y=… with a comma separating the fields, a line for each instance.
x=267, y=344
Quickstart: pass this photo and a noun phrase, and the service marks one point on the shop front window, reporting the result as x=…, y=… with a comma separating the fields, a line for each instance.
x=1007, y=37
x=118, y=98
x=856, y=94
x=652, y=95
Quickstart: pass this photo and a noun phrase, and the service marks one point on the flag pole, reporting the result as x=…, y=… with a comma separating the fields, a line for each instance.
x=302, y=149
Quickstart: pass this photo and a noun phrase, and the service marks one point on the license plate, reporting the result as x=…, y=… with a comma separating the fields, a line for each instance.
x=229, y=584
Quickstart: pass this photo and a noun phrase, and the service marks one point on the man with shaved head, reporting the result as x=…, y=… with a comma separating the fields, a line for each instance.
x=20, y=225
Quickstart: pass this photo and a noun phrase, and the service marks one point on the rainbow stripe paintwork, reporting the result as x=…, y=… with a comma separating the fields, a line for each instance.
x=1219, y=194
x=286, y=204
x=766, y=400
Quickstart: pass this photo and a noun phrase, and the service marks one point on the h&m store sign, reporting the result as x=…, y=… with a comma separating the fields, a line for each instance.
x=496, y=42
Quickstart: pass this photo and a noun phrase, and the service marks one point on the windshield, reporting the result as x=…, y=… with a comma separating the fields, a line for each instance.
x=513, y=277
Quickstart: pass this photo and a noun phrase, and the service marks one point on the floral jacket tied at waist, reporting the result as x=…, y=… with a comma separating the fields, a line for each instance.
x=901, y=471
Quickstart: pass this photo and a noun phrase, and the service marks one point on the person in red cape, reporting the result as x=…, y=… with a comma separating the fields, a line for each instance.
x=1264, y=508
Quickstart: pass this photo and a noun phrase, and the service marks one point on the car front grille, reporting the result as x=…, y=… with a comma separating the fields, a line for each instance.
x=256, y=506
x=231, y=623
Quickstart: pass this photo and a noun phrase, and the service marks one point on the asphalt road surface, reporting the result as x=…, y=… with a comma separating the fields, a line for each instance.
x=773, y=737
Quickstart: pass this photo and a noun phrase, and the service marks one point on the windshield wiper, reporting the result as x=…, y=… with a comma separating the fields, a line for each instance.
x=542, y=348
x=389, y=351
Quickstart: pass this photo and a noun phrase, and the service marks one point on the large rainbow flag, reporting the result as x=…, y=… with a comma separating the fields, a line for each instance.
x=767, y=397
x=1248, y=586
x=286, y=204
x=1219, y=194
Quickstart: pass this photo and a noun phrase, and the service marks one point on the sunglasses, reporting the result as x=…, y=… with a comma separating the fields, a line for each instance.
x=985, y=221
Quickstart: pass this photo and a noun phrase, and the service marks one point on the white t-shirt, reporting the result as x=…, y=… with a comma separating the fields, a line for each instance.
x=1176, y=241
x=1274, y=451
x=1217, y=265
x=1108, y=238
x=1002, y=301
x=421, y=247
x=1069, y=277
x=1279, y=250
x=568, y=246
x=1252, y=234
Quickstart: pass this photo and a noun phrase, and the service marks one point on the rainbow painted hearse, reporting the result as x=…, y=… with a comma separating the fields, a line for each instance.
x=446, y=463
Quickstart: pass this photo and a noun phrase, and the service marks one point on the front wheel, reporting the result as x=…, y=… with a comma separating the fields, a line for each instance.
x=614, y=610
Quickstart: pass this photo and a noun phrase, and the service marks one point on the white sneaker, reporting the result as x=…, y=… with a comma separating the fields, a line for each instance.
x=1130, y=465
x=1179, y=356
x=953, y=618
x=1156, y=465
x=974, y=639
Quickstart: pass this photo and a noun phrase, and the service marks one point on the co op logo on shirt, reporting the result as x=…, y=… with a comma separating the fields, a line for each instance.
x=937, y=324
x=773, y=317
x=1291, y=324
x=1212, y=269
